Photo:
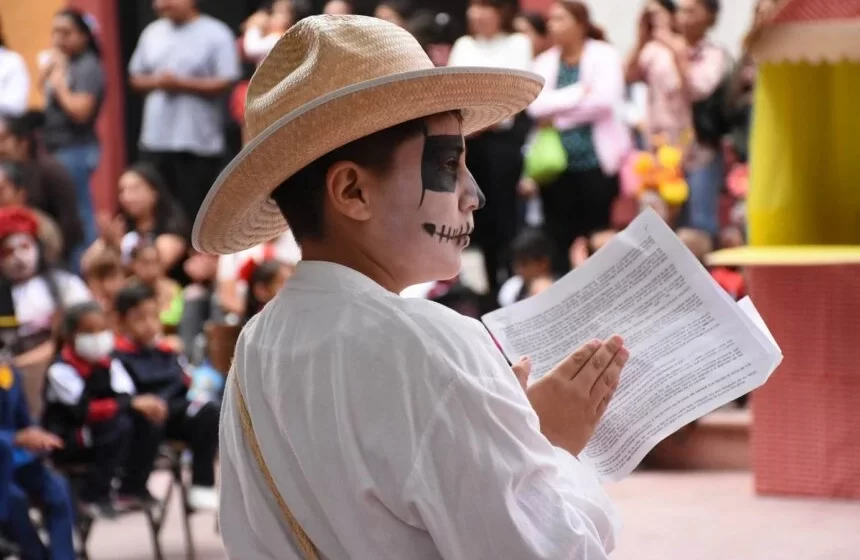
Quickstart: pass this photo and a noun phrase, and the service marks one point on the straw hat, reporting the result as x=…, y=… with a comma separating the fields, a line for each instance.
x=328, y=81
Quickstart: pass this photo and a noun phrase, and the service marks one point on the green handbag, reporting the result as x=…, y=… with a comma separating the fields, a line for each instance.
x=546, y=158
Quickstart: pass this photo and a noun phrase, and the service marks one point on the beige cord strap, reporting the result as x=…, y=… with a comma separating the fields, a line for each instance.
x=302, y=538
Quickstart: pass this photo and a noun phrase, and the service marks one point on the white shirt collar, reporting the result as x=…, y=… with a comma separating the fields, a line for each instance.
x=324, y=276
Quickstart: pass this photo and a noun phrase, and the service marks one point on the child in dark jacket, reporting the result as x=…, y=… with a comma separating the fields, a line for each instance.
x=24, y=476
x=156, y=370
x=90, y=405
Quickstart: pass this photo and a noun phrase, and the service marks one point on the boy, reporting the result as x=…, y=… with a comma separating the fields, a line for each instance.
x=532, y=252
x=23, y=474
x=104, y=276
x=156, y=370
x=90, y=404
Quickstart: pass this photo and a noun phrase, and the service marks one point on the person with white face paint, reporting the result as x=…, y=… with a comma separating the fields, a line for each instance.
x=39, y=293
x=91, y=404
x=357, y=423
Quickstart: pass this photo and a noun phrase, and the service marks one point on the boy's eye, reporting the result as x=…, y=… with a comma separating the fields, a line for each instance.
x=453, y=164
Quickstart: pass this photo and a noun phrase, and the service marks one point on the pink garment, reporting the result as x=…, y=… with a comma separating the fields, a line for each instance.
x=669, y=105
x=669, y=110
x=597, y=99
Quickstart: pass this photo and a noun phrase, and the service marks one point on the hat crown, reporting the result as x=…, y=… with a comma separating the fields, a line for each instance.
x=322, y=54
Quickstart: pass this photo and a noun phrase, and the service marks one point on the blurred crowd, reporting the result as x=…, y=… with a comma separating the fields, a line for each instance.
x=113, y=329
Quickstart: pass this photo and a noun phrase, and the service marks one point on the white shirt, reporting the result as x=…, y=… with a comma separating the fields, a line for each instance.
x=393, y=428
x=503, y=51
x=34, y=306
x=14, y=83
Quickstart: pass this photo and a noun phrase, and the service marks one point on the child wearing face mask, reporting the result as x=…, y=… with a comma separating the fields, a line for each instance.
x=158, y=371
x=91, y=405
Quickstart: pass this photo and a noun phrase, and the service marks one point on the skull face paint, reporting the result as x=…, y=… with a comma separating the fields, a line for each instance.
x=440, y=173
x=19, y=257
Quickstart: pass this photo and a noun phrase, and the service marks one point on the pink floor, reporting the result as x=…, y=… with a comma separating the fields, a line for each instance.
x=677, y=516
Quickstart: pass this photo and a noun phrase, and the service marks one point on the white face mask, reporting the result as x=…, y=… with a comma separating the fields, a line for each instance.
x=94, y=347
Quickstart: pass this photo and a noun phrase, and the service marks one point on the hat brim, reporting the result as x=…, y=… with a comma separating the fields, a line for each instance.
x=238, y=212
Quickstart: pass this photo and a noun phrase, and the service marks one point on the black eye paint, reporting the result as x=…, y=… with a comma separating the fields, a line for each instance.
x=459, y=235
x=440, y=163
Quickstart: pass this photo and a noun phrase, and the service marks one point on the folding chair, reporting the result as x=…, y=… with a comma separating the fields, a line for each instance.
x=85, y=522
x=170, y=459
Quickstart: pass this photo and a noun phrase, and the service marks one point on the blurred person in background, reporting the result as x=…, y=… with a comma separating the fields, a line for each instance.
x=90, y=403
x=40, y=293
x=433, y=32
x=337, y=7
x=533, y=25
x=742, y=86
x=265, y=27
x=157, y=370
x=13, y=193
x=48, y=185
x=264, y=282
x=583, y=99
x=494, y=156
x=74, y=83
x=14, y=80
x=684, y=72
x=146, y=268
x=234, y=270
x=147, y=213
x=105, y=276
x=185, y=63
x=398, y=12
x=26, y=481
x=532, y=253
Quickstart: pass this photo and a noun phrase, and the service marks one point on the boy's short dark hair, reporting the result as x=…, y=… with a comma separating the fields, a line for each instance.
x=131, y=296
x=530, y=245
x=301, y=197
x=72, y=318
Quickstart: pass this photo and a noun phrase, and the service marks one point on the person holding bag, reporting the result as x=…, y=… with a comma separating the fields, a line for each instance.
x=582, y=102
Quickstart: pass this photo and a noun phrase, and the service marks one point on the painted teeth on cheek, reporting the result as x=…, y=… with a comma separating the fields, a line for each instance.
x=448, y=233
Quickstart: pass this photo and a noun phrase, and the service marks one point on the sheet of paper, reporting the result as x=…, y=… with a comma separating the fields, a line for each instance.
x=692, y=349
x=747, y=306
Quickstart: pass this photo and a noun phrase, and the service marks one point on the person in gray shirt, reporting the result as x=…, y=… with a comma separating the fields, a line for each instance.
x=185, y=63
x=74, y=83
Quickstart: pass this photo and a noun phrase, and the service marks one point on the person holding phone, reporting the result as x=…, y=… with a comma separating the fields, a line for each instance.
x=650, y=62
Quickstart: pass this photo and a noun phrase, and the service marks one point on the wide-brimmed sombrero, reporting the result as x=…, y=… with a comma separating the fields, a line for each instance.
x=328, y=81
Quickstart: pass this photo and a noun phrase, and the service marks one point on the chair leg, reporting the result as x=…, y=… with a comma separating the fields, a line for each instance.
x=190, y=553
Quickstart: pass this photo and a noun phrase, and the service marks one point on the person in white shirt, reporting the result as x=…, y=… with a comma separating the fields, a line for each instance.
x=14, y=81
x=495, y=155
x=357, y=423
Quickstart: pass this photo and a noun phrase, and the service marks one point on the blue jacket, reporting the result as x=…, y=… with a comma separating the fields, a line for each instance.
x=14, y=413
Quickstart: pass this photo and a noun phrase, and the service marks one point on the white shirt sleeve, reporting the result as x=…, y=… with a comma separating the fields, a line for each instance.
x=256, y=45
x=120, y=379
x=14, y=84
x=64, y=384
x=487, y=484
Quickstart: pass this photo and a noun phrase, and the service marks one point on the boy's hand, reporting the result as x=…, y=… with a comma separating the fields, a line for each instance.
x=572, y=398
x=37, y=440
x=522, y=369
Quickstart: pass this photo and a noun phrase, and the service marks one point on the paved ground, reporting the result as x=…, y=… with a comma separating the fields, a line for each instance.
x=677, y=516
